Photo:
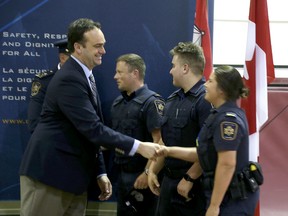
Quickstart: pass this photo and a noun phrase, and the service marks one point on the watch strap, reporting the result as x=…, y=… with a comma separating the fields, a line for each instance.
x=188, y=178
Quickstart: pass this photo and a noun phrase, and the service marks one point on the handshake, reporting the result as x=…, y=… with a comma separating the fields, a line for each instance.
x=152, y=151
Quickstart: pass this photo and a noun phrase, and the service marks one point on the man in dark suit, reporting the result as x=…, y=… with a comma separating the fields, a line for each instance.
x=59, y=161
x=40, y=84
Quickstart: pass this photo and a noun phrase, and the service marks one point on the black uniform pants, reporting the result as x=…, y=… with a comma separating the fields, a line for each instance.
x=125, y=184
x=170, y=203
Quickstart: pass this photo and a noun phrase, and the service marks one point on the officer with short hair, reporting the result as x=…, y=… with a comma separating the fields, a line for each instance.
x=137, y=112
x=40, y=84
x=180, y=192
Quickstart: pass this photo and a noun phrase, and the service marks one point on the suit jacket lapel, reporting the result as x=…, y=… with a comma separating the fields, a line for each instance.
x=96, y=104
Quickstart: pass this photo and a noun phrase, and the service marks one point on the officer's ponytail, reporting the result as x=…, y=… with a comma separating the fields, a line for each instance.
x=244, y=92
x=230, y=82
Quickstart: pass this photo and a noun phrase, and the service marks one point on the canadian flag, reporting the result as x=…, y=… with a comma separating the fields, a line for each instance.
x=258, y=73
x=201, y=34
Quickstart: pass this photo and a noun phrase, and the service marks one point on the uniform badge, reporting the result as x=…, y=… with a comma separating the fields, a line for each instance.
x=42, y=74
x=229, y=130
x=35, y=88
x=159, y=106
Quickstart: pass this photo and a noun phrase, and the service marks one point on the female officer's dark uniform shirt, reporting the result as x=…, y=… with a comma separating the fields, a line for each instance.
x=225, y=129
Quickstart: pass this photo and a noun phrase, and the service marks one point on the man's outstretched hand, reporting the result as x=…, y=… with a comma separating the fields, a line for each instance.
x=150, y=150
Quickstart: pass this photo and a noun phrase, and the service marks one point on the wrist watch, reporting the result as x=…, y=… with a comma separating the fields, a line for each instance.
x=188, y=178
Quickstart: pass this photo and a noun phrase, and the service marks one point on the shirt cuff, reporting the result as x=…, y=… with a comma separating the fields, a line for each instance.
x=134, y=148
x=103, y=174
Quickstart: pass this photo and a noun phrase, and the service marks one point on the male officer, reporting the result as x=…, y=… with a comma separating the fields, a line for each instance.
x=40, y=84
x=137, y=112
x=184, y=114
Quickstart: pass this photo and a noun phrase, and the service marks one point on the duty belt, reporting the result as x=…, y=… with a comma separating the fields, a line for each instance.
x=174, y=173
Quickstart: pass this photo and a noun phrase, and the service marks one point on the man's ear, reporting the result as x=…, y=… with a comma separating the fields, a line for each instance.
x=77, y=48
x=136, y=72
x=186, y=68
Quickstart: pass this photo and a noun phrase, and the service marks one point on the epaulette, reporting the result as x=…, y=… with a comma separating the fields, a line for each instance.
x=141, y=99
x=117, y=100
x=43, y=74
x=200, y=91
x=230, y=114
x=170, y=97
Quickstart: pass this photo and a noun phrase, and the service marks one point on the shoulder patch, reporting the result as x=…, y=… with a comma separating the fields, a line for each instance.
x=44, y=74
x=35, y=88
x=159, y=104
x=229, y=130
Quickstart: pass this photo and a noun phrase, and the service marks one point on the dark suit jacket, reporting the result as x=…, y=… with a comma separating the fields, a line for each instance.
x=61, y=151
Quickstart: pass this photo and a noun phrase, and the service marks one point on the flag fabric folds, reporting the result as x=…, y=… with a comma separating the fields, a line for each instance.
x=201, y=34
x=258, y=72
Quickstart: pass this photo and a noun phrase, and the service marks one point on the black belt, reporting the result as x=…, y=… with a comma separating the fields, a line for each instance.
x=174, y=173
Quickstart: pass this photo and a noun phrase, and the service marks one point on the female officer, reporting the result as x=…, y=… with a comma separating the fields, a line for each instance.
x=223, y=147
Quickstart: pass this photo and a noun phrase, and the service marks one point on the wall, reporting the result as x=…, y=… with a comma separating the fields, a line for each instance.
x=273, y=154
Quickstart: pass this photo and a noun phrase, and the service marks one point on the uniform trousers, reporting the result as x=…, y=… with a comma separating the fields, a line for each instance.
x=170, y=203
x=125, y=184
x=40, y=199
